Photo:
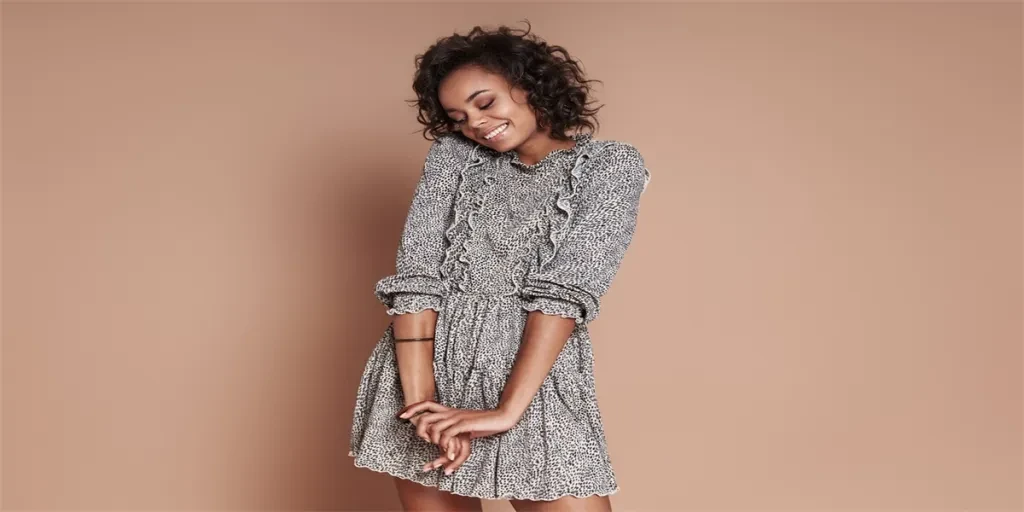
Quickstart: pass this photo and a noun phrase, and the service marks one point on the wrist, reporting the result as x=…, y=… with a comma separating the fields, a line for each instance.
x=510, y=414
x=426, y=394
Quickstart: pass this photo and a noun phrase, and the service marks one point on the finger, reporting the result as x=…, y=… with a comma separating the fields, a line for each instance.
x=438, y=428
x=453, y=430
x=453, y=450
x=436, y=463
x=415, y=420
x=464, y=452
x=413, y=409
x=425, y=421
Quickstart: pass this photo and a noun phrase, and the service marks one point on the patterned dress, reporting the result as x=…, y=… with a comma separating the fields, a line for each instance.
x=487, y=240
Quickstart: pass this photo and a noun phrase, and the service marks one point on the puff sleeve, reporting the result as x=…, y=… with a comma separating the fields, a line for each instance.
x=602, y=221
x=417, y=284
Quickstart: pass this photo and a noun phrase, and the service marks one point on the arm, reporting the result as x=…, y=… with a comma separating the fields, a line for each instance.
x=543, y=338
x=415, y=358
x=566, y=291
x=414, y=294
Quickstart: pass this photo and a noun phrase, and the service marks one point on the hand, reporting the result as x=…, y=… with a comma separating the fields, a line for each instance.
x=440, y=424
x=462, y=448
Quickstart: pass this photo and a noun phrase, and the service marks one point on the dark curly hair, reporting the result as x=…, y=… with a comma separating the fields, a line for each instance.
x=556, y=87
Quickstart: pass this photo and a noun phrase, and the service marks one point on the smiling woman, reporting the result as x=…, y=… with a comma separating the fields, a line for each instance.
x=483, y=384
x=476, y=83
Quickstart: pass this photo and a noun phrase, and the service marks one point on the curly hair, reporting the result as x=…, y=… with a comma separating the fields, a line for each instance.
x=557, y=89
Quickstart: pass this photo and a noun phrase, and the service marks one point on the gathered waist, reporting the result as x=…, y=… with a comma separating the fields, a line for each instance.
x=460, y=294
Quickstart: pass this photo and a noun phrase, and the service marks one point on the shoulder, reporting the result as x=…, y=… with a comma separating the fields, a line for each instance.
x=451, y=145
x=618, y=162
x=448, y=153
x=616, y=152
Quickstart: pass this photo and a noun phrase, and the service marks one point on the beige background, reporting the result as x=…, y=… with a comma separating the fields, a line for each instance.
x=821, y=309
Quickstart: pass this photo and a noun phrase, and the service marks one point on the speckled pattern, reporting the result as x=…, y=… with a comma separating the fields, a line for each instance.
x=487, y=240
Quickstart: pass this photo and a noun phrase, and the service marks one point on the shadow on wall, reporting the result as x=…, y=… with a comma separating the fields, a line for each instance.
x=363, y=210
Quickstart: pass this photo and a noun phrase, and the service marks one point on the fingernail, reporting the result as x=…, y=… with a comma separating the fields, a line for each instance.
x=448, y=471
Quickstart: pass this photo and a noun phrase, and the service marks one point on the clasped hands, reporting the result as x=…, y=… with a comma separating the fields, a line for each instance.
x=451, y=429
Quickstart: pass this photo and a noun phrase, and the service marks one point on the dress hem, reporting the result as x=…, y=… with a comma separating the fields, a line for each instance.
x=411, y=310
x=505, y=497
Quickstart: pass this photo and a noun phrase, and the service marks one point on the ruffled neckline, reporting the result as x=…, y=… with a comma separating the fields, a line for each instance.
x=553, y=157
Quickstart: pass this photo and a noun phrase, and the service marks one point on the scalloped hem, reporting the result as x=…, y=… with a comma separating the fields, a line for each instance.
x=401, y=311
x=356, y=463
x=533, y=307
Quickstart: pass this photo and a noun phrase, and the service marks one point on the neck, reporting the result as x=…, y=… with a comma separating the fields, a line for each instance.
x=538, y=146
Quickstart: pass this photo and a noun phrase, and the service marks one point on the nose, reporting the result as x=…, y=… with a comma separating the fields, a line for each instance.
x=477, y=121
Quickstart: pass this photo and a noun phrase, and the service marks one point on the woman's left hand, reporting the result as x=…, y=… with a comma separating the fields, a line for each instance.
x=438, y=424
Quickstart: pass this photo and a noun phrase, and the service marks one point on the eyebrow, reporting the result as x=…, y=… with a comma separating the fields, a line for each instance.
x=470, y=98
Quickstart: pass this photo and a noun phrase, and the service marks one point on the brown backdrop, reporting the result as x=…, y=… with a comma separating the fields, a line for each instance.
x=821, y=309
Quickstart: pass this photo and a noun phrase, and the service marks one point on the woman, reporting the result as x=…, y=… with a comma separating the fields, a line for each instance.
x=483, y=384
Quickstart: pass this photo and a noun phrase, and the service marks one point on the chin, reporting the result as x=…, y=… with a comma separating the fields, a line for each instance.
x=506, y=145
x=499, y=146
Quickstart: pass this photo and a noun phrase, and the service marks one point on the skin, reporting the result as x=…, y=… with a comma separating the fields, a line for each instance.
x=479, y=101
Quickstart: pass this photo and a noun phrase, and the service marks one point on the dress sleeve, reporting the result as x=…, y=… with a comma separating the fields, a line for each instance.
x=601, y=226
x=416, y=284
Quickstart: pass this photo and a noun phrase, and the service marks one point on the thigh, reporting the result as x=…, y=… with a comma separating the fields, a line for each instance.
x=421, y=497
x=566, y=504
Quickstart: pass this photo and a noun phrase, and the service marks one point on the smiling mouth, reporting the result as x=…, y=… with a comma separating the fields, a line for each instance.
x=496, y=132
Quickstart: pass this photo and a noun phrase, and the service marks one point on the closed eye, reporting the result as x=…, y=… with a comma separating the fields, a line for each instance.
x=485, y=107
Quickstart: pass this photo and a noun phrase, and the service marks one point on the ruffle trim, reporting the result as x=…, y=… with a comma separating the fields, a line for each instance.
x=561, y=217
x=536, y=288
x=405, y=302
x=467, y=207
x=582, y=140
x=555, y=307
x=391, y=286
x=507, y=496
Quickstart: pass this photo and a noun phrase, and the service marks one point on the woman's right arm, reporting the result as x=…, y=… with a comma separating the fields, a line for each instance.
x=416, y=358
x=414, y=294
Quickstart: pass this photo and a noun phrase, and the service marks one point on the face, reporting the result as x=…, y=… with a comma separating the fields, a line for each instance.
x=482, y=106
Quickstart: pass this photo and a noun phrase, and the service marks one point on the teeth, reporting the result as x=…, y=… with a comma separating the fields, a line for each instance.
x=496, y=131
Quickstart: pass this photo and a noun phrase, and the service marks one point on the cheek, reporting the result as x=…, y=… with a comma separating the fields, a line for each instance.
x=526, y=120
x=521, y=117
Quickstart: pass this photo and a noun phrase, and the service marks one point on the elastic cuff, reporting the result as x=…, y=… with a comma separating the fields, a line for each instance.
x=556, y=307
x=407, y=302
x=547, y=294
x=391, y=286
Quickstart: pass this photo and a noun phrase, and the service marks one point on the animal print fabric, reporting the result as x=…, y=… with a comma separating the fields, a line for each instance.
x=487, y=240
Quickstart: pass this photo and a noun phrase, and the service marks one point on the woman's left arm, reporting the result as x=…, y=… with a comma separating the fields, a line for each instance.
x=566, y=290
x=543, y=339
x=563, y=292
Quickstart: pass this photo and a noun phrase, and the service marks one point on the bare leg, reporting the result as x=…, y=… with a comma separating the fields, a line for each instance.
x=416, y=497
x=566, y=504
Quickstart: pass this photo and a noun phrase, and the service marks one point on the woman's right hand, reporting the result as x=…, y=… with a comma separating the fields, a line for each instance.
x=462, y=449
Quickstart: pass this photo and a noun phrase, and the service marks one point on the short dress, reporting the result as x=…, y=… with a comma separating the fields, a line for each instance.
x=487, y=240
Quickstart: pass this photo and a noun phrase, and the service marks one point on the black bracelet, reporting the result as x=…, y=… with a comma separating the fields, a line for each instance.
x=414, y=339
